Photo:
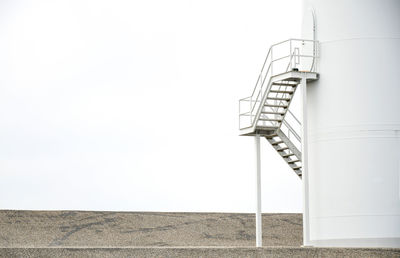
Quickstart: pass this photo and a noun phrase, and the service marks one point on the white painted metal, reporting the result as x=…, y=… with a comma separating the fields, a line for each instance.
x=354, y=124
x=258, y=191
x=304, y=158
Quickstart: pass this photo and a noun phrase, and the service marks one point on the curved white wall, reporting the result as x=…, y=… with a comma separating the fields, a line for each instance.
x=354, y=124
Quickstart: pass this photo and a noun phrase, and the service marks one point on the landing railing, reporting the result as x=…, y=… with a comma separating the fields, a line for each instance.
x=282, y=57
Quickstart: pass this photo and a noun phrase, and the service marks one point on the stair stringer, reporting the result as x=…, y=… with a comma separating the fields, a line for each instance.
x=289, y=143
x=297, y=168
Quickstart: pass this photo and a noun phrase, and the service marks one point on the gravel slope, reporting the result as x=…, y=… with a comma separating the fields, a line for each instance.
x=156, y=234
x=119, y=229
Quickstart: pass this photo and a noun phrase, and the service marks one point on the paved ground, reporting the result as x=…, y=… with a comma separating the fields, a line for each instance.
x=139, y=234
x=120, y=229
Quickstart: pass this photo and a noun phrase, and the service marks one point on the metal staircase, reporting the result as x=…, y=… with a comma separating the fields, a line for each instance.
x=266, y=112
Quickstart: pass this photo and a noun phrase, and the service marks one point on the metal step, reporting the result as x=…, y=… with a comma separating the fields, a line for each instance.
x=271, y=136
x=273, y=113
x=272, y=105
x=282, y=149
x=281, y=91
x=266, y=128
x=285, y=150
x=274, y=98
x=287, y=155
x=284, y=84
x=271, y=119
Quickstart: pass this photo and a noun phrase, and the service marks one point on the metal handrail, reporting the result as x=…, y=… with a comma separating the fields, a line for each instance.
x=259, y=92
x=297, y=120
x=262, y=69
x=290, y=128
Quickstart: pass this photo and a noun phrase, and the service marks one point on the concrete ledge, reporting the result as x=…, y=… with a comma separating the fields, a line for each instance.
x=197, y=252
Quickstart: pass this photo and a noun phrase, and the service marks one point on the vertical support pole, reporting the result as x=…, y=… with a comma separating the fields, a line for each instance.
x=304, y=160
x=258, y=192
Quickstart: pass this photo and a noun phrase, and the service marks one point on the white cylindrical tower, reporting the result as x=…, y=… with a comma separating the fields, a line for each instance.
x=354, y=123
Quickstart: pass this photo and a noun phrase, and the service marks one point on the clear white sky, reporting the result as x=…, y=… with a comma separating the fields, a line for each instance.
x=133, y=105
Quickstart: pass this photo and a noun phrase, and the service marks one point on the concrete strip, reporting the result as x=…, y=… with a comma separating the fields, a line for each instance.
x=197, y=252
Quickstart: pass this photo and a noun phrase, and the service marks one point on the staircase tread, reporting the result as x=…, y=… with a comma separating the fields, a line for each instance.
x=267, y=127
x=271, y=105
x=287, y=155
x=284, y=84
x=273, y=113
x=283, y=148
x=270, y=119
x=274, y=98
x=282, y=91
